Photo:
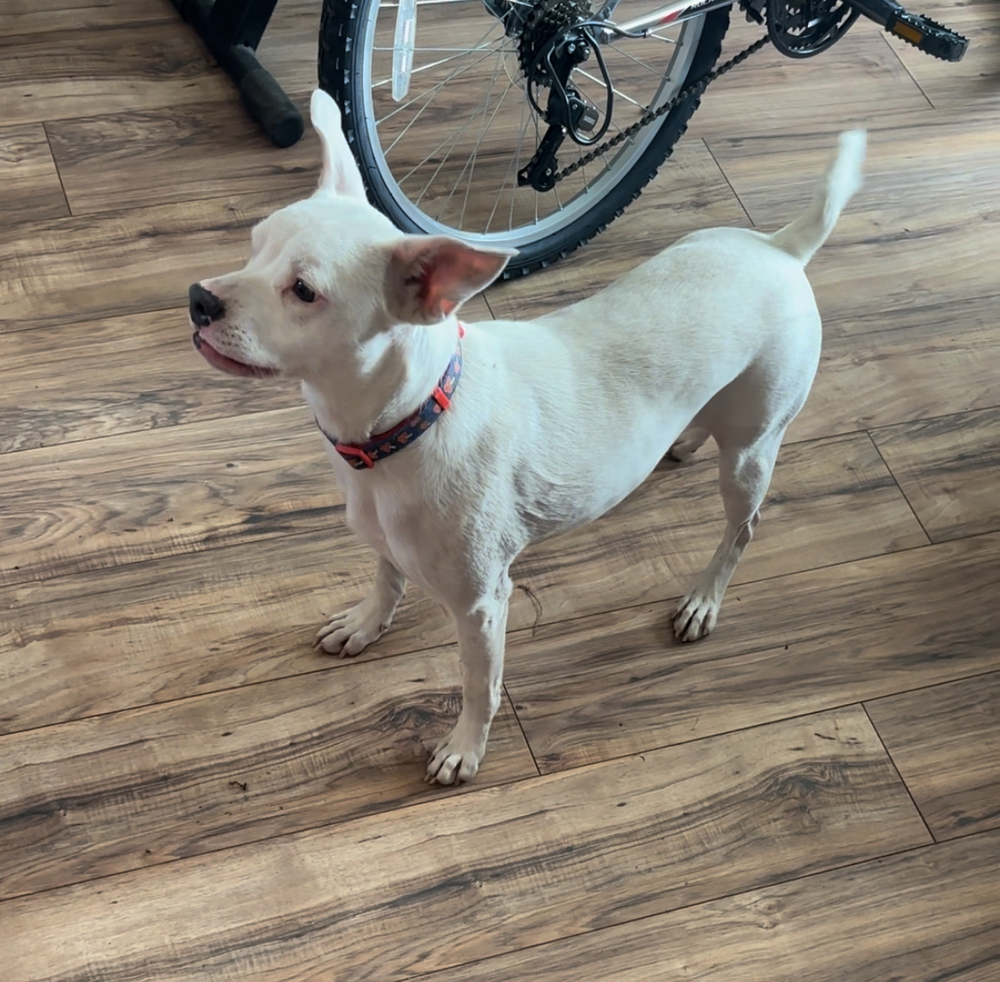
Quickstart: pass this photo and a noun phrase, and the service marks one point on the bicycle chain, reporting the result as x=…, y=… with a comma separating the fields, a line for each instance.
x=697, y=88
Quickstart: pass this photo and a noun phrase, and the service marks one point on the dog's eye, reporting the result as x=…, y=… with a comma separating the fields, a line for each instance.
x=303, y=291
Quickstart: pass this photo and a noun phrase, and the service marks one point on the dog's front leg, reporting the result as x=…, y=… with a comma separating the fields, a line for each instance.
x=481, y=632
x=350, y=632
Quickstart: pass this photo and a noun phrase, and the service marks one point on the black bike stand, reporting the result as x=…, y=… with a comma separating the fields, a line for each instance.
x=231, y=30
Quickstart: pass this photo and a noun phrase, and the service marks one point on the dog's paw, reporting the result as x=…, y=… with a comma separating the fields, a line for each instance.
x=695, y=617
x=349, y=633
x=454, y=760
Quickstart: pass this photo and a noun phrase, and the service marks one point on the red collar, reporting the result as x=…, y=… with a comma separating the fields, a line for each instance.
x=366, y=455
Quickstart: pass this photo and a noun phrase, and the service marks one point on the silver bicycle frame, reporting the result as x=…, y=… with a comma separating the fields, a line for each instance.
x=672, y=13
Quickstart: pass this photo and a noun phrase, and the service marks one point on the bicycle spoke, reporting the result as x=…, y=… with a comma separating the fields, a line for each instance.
x=447, y=156
x=427, y=95
x=471, y=162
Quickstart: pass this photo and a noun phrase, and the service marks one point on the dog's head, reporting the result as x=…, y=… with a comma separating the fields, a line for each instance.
x=328, y=274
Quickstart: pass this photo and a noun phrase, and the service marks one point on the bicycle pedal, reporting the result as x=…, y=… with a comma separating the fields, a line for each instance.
x=922, y=32
x=927, y=35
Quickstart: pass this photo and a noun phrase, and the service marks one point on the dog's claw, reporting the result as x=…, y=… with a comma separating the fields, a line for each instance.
x=695, y=618
x=452, y=764
x=350, y=632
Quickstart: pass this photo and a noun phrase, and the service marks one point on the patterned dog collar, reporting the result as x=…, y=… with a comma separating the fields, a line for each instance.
x=366, y=455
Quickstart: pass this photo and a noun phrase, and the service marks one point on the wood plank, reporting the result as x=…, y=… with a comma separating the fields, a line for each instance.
x=110, y=69
x=516, y=865
x=134, y=497
x=29, y=184
x=928, y=211
x=973, y=84
x=20, y=17
x=945, y=741
x=923, y=916
x=689, y=193
x=130, y=373
x=112, y=162
x=188, y=625
x=79, y=269
x=896, y=365
x=859, y=82
x=129, y=262
x=949, y=470
x=617, y=683
x=136, y=789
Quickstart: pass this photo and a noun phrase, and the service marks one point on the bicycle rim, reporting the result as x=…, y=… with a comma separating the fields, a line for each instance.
x=444, y=158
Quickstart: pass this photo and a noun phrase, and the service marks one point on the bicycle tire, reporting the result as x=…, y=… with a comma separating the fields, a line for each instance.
x=345, y=41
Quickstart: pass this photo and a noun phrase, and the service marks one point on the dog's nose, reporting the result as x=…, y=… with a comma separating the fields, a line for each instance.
x=204, y=306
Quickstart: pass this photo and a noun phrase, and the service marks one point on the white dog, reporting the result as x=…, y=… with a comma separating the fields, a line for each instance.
x=518, y=429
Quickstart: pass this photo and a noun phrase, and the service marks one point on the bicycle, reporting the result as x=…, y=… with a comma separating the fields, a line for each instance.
x=533, y=124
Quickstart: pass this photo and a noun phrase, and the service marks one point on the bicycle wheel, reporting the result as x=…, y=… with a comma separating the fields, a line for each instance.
x=443, y=158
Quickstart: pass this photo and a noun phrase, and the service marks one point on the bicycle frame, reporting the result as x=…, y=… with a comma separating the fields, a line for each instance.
x=672, y=13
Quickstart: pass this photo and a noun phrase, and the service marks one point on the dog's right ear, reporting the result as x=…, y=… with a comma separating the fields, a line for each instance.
x=340, y=172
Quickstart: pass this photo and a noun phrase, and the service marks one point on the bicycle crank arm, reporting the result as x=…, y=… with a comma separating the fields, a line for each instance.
x=923, y=33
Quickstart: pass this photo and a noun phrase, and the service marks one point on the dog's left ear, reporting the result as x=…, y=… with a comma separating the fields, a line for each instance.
x=340, y=172
x=430, y=277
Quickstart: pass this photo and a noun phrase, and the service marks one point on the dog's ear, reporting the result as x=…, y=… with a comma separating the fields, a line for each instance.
x=430, y=277
x=340, y=172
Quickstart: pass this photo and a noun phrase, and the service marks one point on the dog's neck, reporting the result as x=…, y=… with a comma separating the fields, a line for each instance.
x=383, y=382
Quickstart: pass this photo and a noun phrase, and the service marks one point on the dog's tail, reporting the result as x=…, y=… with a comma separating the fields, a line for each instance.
x=807, y=233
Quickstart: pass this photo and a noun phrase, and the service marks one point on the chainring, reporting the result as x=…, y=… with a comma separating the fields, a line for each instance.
x=803, y=28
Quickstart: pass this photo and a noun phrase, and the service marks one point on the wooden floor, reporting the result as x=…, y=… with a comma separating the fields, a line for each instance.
x=189, y=792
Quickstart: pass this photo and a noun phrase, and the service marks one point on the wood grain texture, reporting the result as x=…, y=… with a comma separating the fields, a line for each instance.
x=860, y=82
x=921, y=201
x=108, y=69
x=19, y=17
x=905, y=365
x=112, y=162
x=80, y=381
x=659, y=539
x=949, y=470
x=140, y=788
x=511, y=866
x=945, y=740
x=135, y=261
x=922, y=916
x=618, y=683
x=138, y=496
x=187, y=625
x=29, y=182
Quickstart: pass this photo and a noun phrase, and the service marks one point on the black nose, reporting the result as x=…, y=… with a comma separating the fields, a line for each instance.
x=205, y=307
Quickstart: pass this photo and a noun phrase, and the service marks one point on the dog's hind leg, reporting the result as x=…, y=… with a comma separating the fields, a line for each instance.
x=481, y=637
x=744, y=476
x=351, y=631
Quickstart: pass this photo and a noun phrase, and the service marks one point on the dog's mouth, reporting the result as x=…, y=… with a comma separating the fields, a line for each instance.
x=226, y=364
